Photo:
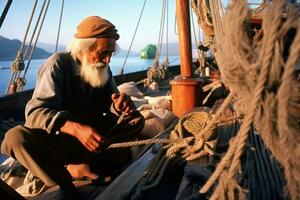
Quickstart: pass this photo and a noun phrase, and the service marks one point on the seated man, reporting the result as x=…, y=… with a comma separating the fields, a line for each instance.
x=74, y=111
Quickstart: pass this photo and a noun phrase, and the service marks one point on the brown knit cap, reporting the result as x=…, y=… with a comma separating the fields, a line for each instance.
x=96, y=27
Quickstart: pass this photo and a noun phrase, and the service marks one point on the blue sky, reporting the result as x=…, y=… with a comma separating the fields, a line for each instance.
x=123, y=13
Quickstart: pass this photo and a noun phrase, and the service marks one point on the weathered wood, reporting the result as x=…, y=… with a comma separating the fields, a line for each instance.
x=184, y=36
x=186, y=94
x=185, y=90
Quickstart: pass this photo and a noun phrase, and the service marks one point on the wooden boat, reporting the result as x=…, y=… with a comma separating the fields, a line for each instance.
x=260, y=173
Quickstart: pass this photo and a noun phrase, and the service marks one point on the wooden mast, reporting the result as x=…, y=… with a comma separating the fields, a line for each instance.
x=185, y=89
x=184, y=37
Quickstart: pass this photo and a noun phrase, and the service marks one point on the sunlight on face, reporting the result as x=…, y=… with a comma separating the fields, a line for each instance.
x=96, y=74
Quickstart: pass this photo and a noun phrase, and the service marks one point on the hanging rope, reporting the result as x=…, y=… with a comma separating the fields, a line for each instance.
x=60, y=20
x=200, y=54
x=175, y=26
x=166, y=62
x=202, y=11
x=136, y=28
x=159, y=72
x=161, y=33
x=34, y=30
x=21, y=81
x=18, y=64
x=265, y=92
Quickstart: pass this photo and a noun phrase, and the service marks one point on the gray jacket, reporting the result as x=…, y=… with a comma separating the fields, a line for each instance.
x=61, y=95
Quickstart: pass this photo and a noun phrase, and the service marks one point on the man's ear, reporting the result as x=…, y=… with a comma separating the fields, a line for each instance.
x=79, y=56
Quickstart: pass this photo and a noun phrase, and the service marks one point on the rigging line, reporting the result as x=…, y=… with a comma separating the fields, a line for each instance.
x=167, y=30
x=200, y=54
x=34, y=30
x=36, y=39
x=31, y=39
x=14, y=74
x=28, y=26
x=194, y=30
x=173, y=60
x=60, y=19
x=156, y=60
x=122, y=68
x=163, y=27
x=175, y=26
x=5, y=11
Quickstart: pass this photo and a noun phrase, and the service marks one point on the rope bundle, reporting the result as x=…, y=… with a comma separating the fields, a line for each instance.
x=189, y=139
x=260, y=77
x=156, y=73
x=202, y=11
x=187, y=142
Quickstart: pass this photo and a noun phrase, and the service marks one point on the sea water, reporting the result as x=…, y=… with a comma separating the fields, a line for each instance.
x=133, y=63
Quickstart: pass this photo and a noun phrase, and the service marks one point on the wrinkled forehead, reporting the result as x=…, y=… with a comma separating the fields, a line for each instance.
x=104, y=44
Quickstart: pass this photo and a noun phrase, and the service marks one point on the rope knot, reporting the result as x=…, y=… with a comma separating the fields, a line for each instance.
x=192, y=137
x=18, y=64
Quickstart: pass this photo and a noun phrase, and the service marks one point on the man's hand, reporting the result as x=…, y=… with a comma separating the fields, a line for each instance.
x=87, y=135
x=123, y=103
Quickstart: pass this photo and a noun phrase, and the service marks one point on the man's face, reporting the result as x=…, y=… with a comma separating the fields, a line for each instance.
x=94, y=63
x=102, y=51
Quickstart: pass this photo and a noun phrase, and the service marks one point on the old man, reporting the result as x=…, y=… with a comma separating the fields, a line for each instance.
x=74, y=111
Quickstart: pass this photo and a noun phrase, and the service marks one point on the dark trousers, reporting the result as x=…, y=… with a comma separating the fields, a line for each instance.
x=46, y=155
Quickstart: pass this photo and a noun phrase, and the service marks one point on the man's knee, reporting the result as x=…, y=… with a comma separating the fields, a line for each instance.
x=14, y=138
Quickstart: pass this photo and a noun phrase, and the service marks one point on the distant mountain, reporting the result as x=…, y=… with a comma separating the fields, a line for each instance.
x=173, y=49
x=9, y=49
x=50, y=47
x=123, y=52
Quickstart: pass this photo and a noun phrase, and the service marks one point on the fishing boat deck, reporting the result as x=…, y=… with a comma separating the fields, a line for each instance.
x=262, y=175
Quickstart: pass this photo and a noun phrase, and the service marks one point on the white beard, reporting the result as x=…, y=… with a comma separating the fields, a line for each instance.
x=94, y=74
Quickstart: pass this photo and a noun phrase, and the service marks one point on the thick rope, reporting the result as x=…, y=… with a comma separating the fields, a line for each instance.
x=232, y=157
x=19, y=61
x=272, y=96
x=290, y=142
x=36, y=39
x=139, y=142
x=22, y=81
x=201, y=9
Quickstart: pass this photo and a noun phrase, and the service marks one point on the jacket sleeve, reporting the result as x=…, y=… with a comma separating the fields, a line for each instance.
x=43, y=111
